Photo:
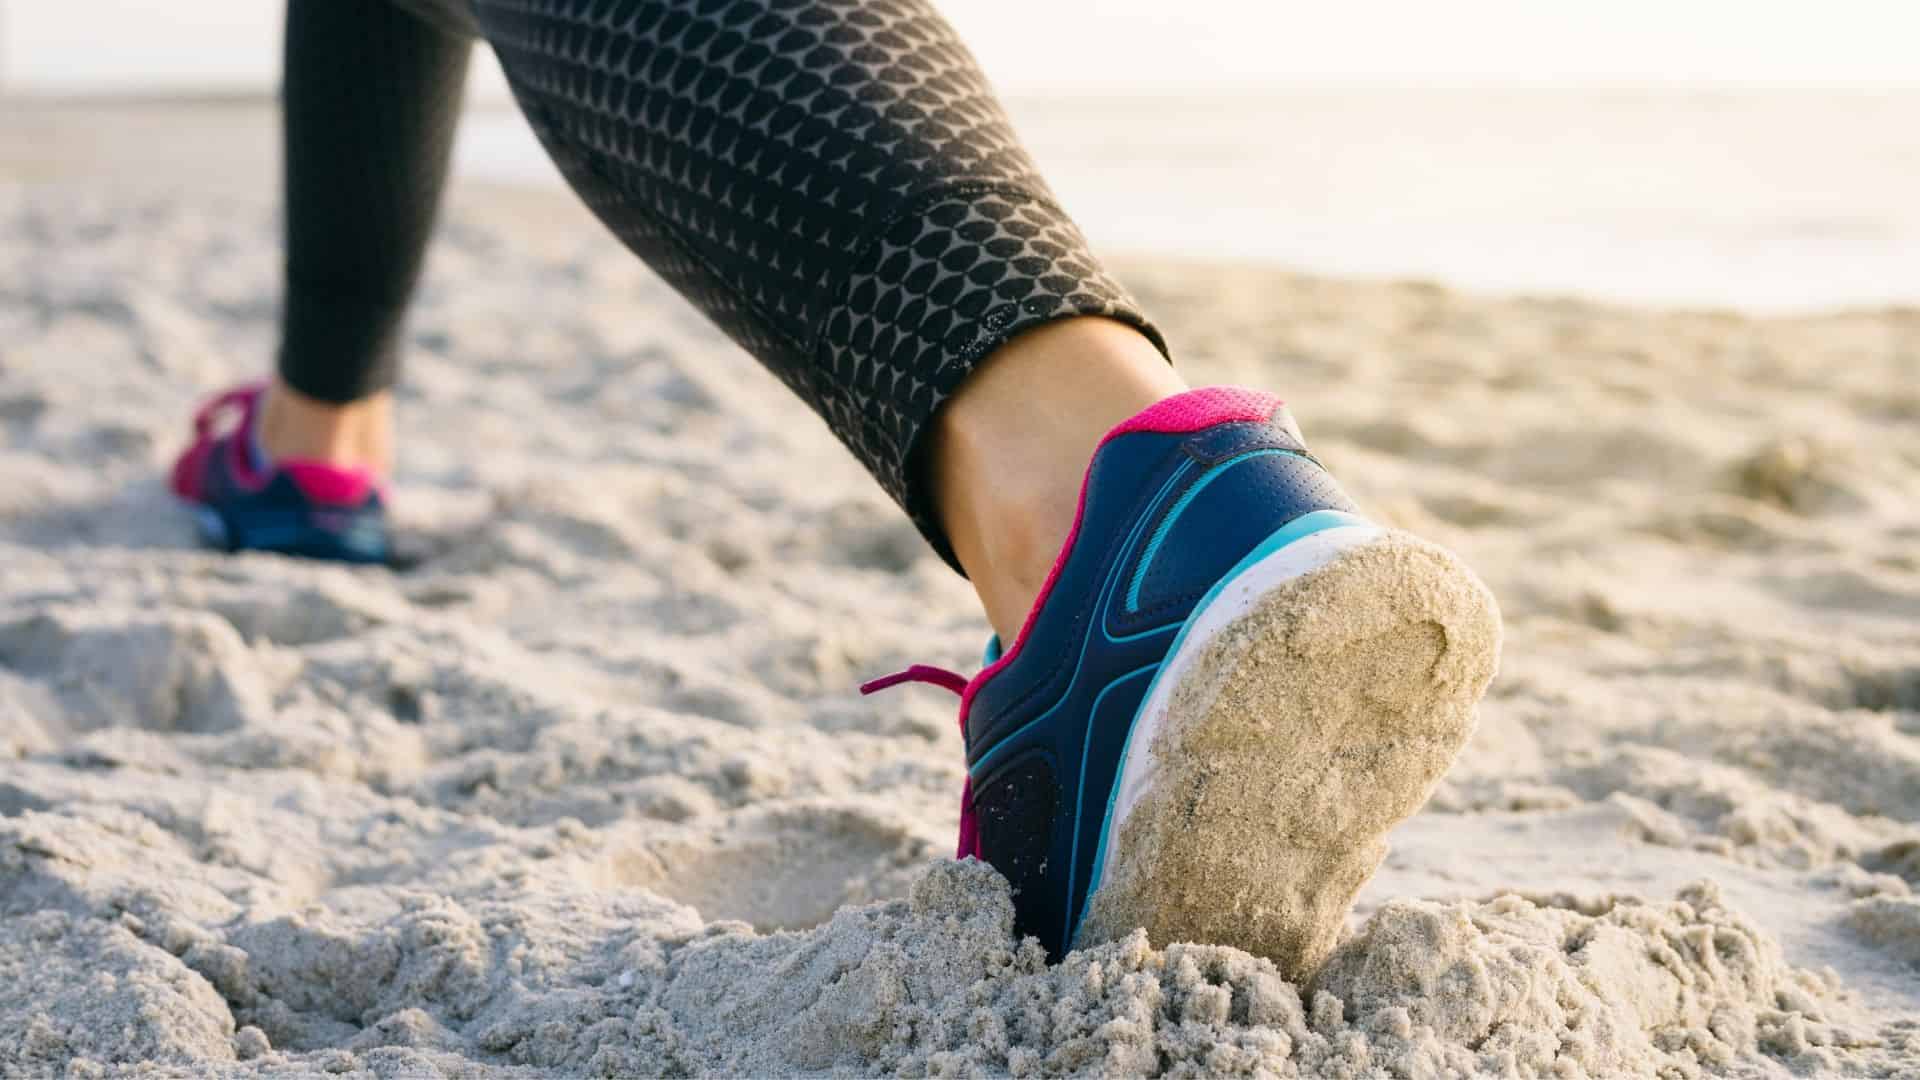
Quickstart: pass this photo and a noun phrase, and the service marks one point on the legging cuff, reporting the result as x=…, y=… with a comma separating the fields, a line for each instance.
x=953, y=275
x=340, y=347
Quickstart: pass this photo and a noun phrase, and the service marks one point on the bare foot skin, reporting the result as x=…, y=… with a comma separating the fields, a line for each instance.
x=1012, y=445
x=356, y=435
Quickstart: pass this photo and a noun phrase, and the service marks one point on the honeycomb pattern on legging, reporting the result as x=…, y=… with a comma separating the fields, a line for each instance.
x=831, y=181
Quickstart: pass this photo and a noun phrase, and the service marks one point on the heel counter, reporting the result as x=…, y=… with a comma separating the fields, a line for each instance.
x=1244, y=495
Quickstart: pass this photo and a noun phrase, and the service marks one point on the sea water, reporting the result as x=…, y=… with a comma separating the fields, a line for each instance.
x=1771, y=200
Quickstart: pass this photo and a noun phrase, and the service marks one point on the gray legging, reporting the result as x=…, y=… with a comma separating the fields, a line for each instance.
x=831, y=181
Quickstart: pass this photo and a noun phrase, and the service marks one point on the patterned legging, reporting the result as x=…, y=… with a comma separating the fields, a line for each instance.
x=831, y=181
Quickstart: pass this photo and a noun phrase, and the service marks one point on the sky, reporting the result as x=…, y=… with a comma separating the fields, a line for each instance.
x=1144, y=46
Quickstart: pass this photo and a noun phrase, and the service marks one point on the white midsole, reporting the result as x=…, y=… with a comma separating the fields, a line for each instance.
x=1141, y=766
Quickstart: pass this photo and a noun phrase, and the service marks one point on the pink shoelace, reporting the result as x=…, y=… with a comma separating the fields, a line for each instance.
x=947, y=680
x=210, y=413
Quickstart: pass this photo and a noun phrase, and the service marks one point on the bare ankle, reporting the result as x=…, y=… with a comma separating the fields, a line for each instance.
x=357, y=434
x=1012, y=447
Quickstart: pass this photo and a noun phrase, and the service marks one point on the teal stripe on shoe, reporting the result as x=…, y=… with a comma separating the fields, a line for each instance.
x=1186, y=497
x=1107, y=589
x=1080, y=793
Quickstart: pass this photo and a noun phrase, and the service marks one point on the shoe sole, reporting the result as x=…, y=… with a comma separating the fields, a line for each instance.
x=214, y=533
x=1310, y=706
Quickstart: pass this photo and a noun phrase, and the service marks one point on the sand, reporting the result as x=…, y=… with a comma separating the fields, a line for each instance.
x=589, y=790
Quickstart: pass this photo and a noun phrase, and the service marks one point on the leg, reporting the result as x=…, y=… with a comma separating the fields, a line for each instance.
x=372, y=99
x=1010, y=449
x=833, y=182
x=1227, y=686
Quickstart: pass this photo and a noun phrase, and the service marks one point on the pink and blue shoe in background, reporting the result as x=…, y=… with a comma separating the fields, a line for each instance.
x=245, y=502
x=1230, y=688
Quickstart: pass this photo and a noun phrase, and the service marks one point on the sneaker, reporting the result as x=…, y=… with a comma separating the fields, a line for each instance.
x=242, y=502
x=1230, y=688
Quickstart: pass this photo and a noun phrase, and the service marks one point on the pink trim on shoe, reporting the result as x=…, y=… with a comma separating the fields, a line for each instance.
x=190, y=469
x=1200, y=408
x=330, y=484
x=969, y=846
x=246, y=396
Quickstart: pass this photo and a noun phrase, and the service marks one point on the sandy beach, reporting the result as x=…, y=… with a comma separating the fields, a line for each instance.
x=589, y=789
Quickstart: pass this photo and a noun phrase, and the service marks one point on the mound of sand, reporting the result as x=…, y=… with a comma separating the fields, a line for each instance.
x=931, y=985
x=589, y=789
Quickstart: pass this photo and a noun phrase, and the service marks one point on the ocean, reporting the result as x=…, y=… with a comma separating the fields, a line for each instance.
x=1765, y=200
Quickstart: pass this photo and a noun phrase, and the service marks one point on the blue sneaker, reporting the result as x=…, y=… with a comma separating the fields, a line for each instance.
x=306, y=508
x=1228, y=691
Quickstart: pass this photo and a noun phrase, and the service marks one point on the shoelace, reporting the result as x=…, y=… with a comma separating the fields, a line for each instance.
x=209, y=414
x=947, y=680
